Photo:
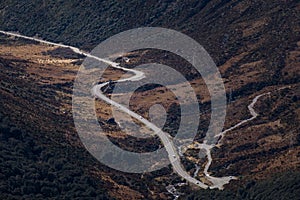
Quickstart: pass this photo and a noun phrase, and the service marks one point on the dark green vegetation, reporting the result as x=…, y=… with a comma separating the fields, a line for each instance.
x=85, y=23
x=36, y=162
x=285, y=186
x=37, y=169
x=37, y=134
x=63, y=53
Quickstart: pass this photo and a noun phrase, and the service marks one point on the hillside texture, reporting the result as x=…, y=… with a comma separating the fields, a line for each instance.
x=255, y=44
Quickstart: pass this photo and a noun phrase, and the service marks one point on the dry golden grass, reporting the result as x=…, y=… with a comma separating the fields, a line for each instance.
x=253, y=27
x=288, y=160
x=116, y=190
x=46, y=69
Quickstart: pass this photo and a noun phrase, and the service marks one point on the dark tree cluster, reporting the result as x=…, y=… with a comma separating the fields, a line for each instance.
x=284, y=186
x=31, y=169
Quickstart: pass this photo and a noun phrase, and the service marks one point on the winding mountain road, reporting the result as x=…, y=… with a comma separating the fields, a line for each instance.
x=252, y=112
x=219, y=182
x=96, y=90
x=164, y=137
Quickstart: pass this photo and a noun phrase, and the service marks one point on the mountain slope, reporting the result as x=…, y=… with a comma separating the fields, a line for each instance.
x=255, y=44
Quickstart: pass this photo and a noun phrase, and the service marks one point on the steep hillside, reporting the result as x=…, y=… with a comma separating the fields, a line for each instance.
x=255, y=44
